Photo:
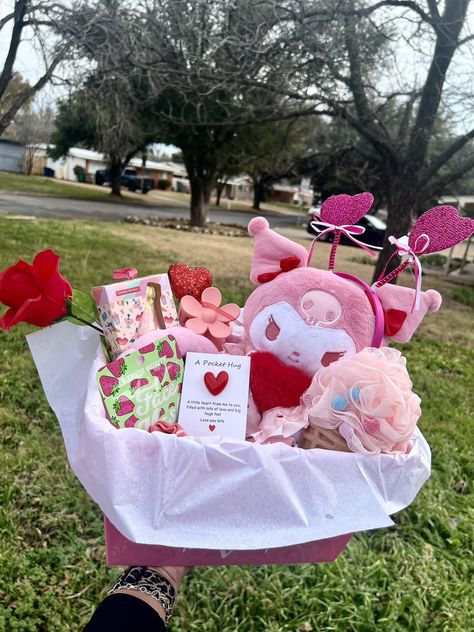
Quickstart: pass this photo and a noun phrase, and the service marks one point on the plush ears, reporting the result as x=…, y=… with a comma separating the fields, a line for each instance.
x=272, y=253
x=279, y=266
x=400, y=321
x=309, y=291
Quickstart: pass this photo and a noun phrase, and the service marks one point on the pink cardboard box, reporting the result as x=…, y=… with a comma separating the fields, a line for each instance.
x=123, y=552
x=122, y=310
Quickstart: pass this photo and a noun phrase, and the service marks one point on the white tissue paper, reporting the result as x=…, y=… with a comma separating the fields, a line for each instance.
x=212, y=493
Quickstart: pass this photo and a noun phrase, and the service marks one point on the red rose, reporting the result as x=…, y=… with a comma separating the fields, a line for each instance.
x=35, y=293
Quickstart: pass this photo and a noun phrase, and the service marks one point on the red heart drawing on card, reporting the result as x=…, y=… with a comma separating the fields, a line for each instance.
x=212, y=427
x=215, y=384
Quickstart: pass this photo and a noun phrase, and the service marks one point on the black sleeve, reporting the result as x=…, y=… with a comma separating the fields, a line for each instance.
x=124, y=613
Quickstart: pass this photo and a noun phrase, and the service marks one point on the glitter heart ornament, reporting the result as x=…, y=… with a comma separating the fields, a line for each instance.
x=186, y=281
x=444, y=228
x=346, y=209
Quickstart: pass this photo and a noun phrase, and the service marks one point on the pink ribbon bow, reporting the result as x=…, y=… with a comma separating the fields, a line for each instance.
x=346, y=229
x=403, y=249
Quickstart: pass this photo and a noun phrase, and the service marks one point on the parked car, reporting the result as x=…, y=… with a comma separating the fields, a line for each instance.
x=374, y=229
x=129, y=179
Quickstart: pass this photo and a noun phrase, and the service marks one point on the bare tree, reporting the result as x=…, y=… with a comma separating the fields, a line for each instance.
x=33, y=127
x=363, y=79
x=209, y=67
x=104, y=110
x=193, y=54
x=190, y=56
x=35, y=21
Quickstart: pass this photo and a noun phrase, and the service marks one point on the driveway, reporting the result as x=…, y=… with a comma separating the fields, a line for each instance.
x=64, y=208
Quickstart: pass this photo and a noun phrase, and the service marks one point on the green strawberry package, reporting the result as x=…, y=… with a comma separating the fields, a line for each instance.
x=143, y=387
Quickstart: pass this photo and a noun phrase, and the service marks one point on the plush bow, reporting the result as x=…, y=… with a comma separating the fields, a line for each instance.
x=286, y=264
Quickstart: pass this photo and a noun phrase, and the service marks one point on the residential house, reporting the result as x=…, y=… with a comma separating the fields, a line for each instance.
x=11, y=155
x=92, y=161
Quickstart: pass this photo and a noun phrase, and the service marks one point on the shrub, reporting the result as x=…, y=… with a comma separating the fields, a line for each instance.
x=80, y=173
x=464, y=294
x=163, y=184
x=436, y=260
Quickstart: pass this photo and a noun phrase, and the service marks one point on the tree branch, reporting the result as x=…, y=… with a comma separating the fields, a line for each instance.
x=407, y=4
x=407, y=112
x=448, y=178
x=18, y=16
x=446, y=44
x=365, y=115
x=466, y=39
x=433, y=9
x=27, y=94
x=445, y=156
x=6, y=19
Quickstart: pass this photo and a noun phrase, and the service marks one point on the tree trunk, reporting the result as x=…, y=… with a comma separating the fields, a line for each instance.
x=219, y=190
x=258, y=194
x=200, y=195
x=29, y=158
x=115, y=171
x=400, y=206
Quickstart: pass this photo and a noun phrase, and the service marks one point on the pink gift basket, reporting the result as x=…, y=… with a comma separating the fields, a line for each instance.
x=208, y=499
x=319, y=363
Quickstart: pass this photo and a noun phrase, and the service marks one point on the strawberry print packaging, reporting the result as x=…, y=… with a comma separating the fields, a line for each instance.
x=134, y=307
x=143, y=387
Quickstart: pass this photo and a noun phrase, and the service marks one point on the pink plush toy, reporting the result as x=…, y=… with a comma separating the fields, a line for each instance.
x=301, y=318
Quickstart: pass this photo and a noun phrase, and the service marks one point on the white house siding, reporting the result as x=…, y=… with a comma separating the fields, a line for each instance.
x=11, y=156
x=92, y=161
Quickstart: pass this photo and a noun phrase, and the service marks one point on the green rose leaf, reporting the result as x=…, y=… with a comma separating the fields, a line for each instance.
x=83, y=307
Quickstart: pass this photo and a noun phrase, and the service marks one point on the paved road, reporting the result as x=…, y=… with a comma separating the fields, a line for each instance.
x=63, y=208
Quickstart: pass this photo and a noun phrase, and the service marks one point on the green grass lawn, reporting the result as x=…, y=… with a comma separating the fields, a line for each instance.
x=16, y=183
x=416, y=576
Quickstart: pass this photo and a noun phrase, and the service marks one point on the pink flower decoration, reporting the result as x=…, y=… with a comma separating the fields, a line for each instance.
x=207, y=317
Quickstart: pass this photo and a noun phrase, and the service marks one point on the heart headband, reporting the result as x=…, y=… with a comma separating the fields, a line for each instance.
x=339, y=215
x=438, y=229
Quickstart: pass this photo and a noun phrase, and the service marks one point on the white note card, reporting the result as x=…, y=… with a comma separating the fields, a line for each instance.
x=215, y=395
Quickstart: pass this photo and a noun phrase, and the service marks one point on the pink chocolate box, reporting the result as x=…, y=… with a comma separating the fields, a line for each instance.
x=123, y=552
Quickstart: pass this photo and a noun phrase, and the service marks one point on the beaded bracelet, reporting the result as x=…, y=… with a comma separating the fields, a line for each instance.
x=149, y=581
